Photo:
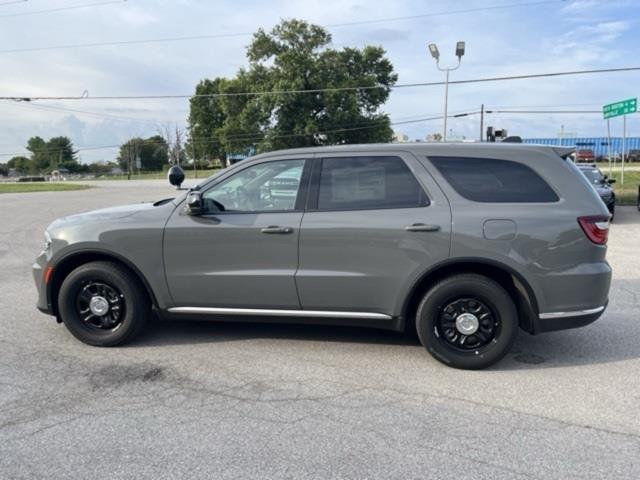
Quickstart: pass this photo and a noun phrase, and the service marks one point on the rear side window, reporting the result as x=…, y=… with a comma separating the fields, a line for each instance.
x=494, y=181
x=357, y=183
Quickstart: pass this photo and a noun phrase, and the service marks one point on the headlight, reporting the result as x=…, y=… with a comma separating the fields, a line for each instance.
x=47, y=241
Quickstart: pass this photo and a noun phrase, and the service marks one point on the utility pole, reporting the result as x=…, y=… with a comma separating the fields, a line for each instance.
x=129, y=161
x=481, y=122
x=193, y=149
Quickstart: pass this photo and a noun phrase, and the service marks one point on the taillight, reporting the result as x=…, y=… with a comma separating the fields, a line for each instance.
x=596, y=228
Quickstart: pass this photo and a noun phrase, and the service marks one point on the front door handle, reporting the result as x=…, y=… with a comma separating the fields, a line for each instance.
x=276, y=229
x=422, y=227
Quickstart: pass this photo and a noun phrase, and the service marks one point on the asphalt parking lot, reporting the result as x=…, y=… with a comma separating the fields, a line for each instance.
x=215, y=400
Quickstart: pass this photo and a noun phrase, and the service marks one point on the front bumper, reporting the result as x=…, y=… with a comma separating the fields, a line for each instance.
x=38, y=269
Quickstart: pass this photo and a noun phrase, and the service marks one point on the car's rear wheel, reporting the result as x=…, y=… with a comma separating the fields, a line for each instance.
x=103, y=304
x=467, y=321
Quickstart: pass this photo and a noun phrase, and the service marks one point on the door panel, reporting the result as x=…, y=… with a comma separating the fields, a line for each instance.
x=368, y=259
x=243, y=251
x=227, y=261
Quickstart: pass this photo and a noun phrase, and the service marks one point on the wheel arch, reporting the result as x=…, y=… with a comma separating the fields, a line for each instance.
x=69, y=262
x=513, y=282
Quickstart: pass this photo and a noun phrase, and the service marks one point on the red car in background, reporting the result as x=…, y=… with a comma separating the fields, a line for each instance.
x=585, y=156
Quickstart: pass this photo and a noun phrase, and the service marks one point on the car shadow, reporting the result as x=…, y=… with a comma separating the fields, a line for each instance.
x=600, y=343
x=180, y=332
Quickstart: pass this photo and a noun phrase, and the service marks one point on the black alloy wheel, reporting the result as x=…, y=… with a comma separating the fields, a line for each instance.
x=103, y=304
x=467, y=324
x=467, y=321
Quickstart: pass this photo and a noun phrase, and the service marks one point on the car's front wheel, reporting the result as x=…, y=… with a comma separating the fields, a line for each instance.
x=467, y=321
x=103, y=304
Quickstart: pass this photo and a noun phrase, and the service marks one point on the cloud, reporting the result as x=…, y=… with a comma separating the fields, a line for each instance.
x=544, y=38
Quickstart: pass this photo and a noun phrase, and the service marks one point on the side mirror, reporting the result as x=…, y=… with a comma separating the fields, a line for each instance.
x=194, y=204
x=611, y=180
x=176, y=176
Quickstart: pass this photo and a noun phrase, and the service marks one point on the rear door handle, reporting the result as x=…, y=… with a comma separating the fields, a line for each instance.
x=422, y=227
x=276, y=229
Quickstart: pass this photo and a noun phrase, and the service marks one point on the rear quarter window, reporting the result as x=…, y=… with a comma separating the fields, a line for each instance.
x=494, y=181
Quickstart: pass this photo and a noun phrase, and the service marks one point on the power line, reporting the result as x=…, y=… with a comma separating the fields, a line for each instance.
x=59, y=9
x=245, y=34
x=551, y=105
x=545, y=111
x=369, y=125
x=440, y=14
x=88, y=113
x=25, y=98
x=249, y=137
x=151, y=121
x=12, y=2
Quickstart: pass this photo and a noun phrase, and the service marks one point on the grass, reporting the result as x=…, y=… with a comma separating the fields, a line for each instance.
x=189, y=174
x=627, y=194
x=25, y=187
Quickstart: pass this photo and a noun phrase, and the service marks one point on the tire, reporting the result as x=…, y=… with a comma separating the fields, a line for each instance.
x=437, y=319
x=127, y=300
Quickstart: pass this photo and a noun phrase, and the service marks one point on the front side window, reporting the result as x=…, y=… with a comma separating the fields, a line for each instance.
x=269, y=186
x=351, y=183
x=494, y=181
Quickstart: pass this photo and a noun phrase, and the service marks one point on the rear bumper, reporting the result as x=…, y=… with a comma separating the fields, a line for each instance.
x=553, y=321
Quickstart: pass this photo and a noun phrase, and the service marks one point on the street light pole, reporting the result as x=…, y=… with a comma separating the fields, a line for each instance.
x=435, y=53
x=446, y=104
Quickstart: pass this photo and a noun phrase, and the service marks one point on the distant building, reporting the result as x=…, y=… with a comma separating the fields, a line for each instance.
x=59, y=175
x=400, y=137
x=599, y=145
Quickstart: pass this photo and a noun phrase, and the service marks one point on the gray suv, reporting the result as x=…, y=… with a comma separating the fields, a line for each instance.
x=464, y=244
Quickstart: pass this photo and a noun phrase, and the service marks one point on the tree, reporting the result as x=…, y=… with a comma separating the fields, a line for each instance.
x=57, y=153
x=153, y=153
x=206, y=119
x=20, y=164
x=4, y=169
x=174, y=138
x=295, y=55
x=62, y=155
x=39, y=155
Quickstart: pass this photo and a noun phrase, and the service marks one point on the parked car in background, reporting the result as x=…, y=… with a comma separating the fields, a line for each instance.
x=460, y=243
x=585, y=156
x=602, y=184
x=634, y=156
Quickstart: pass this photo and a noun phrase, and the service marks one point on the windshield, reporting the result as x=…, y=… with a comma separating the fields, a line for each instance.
x=593, y=175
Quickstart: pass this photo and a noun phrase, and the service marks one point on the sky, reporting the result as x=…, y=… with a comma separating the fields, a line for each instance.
x=508, y=37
